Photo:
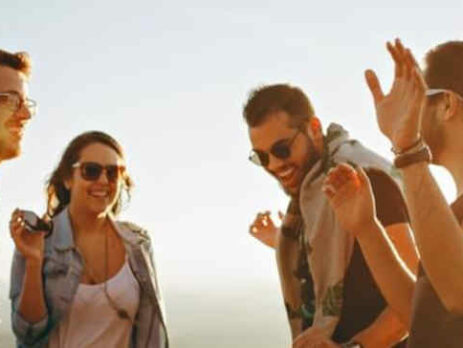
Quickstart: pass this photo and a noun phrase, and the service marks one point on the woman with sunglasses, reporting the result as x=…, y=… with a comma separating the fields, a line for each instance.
x=92, y=281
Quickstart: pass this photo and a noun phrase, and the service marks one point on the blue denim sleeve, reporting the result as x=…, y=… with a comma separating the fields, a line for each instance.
x=26, y=333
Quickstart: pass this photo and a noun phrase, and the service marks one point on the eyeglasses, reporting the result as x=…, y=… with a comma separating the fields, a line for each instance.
x=14, y=102
x=91, y=171
x=281, y=150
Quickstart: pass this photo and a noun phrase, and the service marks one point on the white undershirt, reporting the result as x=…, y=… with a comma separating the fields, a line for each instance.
x=92, y=322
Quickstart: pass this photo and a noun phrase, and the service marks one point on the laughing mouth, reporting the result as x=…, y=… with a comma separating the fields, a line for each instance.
x=99, y=193
x=285, y=176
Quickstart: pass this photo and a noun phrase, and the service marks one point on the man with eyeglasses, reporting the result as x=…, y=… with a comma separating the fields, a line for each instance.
x=15, y=107
x=422, y=116
x=329, y=293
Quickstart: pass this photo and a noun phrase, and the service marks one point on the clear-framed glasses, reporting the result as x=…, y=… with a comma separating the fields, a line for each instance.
x=13, y=102
x=281, y=150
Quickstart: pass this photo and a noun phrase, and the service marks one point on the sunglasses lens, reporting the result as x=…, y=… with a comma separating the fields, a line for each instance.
x=281, y=151
x=112, y=173
x=259, y=158
x=91, y=171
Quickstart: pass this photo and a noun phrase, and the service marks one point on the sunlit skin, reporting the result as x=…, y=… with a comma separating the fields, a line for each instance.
x=12, y=124
x=289, y=172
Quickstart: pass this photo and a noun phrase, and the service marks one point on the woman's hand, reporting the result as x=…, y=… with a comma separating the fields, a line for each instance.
x=351, y=197
x=30, y=245
x=264, y=229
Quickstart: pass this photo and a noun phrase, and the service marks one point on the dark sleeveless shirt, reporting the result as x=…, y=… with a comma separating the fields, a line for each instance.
x=432, y=325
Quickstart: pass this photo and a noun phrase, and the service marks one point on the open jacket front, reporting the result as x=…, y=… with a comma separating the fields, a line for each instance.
x=62, y=270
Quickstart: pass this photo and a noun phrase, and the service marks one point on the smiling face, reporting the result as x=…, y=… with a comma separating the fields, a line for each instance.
x=12, y=123
x=289, y=172
x=99, y=196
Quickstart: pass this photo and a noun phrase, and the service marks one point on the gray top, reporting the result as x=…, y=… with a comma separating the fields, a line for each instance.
x=432, y=325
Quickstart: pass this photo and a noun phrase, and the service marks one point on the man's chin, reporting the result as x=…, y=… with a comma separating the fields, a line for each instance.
x=290, y=190
x=10, y=153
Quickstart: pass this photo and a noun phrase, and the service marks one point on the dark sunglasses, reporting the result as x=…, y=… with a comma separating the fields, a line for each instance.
x=91, y=171
x=281, y=150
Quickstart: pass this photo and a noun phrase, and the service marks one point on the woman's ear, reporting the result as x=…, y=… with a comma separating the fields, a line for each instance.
x=68, y=184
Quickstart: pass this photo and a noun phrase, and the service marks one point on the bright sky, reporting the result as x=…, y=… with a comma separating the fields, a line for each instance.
x=168, y=79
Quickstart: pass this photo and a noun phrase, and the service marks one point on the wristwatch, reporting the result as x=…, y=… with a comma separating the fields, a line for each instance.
x=351, y=344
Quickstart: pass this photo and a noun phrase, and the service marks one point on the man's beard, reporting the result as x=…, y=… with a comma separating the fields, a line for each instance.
x=313, y=157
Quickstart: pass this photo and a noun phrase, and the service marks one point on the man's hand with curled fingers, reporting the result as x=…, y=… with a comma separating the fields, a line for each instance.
x=264, y=229
x=399, y=113
x=351, y=197
x=30, y=245
x=313, y=338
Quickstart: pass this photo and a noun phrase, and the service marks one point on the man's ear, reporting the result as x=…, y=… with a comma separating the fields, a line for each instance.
x=316, y=132
x=452, y=103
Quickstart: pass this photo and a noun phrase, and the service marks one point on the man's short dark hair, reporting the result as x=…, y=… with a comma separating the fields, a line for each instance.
x=444, y=67
x=19, y=61
x=265, y=100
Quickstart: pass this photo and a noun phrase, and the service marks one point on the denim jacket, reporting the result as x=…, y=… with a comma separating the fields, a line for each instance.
x=61, y=271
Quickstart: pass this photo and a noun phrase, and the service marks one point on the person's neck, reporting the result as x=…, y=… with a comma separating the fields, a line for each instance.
x=85, y=222
x=453, y=163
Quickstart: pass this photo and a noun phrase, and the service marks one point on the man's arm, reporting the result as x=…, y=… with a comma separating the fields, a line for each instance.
x=389, y=328
x=438, y=235
x=351, y=196
x=395, y=277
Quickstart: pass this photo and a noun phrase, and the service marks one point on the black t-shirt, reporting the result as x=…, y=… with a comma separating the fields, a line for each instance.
x=432, y=325
x=363, y=301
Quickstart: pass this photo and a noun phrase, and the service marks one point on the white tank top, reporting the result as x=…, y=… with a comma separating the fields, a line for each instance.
x=92, y=322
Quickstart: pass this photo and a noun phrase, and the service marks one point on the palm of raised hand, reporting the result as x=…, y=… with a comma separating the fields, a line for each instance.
x=351, y=197
x=399, y=113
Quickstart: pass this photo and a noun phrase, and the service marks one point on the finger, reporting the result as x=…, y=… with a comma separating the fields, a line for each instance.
x=329, y=191
x=346, y=170
x=265, y=221
x=399, y=45
x=341, y=175
x=363, y=178
x=374, y=86
x=396, y=57
x=408, y=64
